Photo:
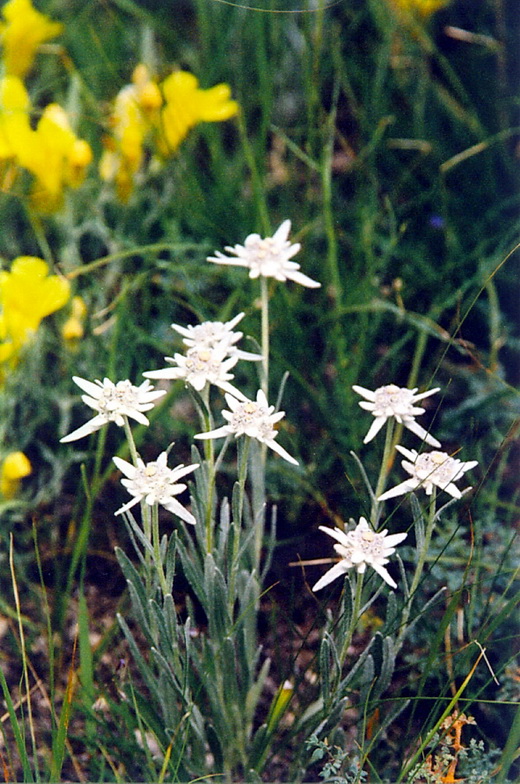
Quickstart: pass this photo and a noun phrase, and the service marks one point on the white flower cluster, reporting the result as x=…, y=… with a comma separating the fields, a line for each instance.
x=113, y=402
x=268, y=257
x=428, y=469
x=211, y=354
x=358, y=549
x=253, y=419
x=155, y=483
x=397, y=402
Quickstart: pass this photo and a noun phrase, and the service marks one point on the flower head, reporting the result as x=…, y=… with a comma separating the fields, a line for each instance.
x=21, y=34
x=215, y=334
x=429, y=470
x=201, y=366
x=268, y=257
x=358, y=549
x=27, y=294
x=73, y=329
x=155, y=483
x=397, y=402
x=15, y=127
x=253, y=419
x=186, y=104
x=55, y=156
x=134, y=114
x=113, y=402
x=15, y=467
x=51, y=152
x=419, y=8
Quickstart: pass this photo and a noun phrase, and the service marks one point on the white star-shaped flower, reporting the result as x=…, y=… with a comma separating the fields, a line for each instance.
x=268, y=257
x=201, y=366
x=398, y=402
x=429, y=470
x=358, y=549
x=113, y=402
x=155, y=483
x=212, y=334
x=253, y=419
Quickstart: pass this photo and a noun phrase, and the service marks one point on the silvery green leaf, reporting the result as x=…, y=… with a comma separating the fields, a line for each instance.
x=144, y=668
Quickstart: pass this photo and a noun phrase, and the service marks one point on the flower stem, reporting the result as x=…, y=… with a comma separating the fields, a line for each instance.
x=383, y=472
x=157, y=550
x=421, y=558
x=209, y=454
x=354, y=620
x=243, y=453
x=265, y=335
x=145, y=509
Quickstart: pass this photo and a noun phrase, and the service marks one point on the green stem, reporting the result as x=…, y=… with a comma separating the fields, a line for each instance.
x=209, y=454
x=421, y=560
x=243, y=454
x=145, y=508
x=157, y=550
x=383, y=472
x=354, y=620
x=131, y=443
x=265, y=335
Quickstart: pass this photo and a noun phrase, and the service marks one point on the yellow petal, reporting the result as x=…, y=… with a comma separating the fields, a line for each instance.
x=24, y=31
x=27, y=295
x=16, y=465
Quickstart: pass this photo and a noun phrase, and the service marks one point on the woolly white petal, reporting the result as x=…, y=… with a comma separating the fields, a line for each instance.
x=336, y=571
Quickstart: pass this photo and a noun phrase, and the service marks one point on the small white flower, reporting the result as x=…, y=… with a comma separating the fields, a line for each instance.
x=253, y=419
x=212, y=334
x=201, y=366
x=268, y=257
x=358, y=549
x=398, y=402
x=113, y=402
x=429, y=470
x=155, y=483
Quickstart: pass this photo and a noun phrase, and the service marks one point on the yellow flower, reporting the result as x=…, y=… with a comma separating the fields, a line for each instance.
x=420, y=8
x=187, y=104
x=131, y=120
x=140, y=113
x=21, y=34
x=52, y=152
x=14, y=468
x=15, y=128
x=55, y=156
x=27, y=294
x=73, y=329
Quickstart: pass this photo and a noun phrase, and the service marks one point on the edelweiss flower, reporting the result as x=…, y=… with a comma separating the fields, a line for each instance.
x=113, y=402
x=360, y=548
x=212, y=334
x=155, y=483
x=255, y=420
x=201, y=366
x=268, y=257
x=398, y=402
x=429, y=470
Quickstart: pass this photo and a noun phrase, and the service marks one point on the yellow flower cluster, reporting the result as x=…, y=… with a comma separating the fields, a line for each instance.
x=51, y=152
x=144, y=112
x=163, y=112
x=418, y=8
x=27, y=294
x=21, y=34
x=15, y=467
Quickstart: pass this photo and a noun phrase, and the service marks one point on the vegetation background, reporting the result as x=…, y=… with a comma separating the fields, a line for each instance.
x=391, y=142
